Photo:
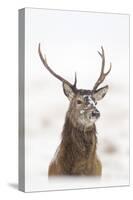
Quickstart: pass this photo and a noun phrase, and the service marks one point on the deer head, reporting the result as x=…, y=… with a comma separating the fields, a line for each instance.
x=82, y=110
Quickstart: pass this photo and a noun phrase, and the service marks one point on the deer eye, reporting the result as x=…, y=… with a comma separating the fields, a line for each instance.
x=79, y=102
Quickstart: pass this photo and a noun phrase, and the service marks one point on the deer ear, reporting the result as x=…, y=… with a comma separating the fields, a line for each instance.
x=100, y=93
x=68, y=91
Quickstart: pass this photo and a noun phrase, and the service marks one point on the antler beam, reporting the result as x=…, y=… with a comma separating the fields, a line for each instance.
x=102, y=74
x=44, y=61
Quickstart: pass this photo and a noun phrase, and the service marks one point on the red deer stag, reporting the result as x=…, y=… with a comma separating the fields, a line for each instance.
x=76, y=154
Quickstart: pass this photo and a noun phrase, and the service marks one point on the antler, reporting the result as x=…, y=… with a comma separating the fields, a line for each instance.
x=102, y=74
x=44, y=61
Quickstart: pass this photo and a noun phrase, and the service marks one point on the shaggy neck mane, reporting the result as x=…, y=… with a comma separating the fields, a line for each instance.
x=77, y=143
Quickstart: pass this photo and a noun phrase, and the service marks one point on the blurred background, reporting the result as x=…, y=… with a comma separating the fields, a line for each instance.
x=71, y=41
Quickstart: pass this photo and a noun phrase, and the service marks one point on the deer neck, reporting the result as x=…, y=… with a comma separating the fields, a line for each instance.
x=78, y=140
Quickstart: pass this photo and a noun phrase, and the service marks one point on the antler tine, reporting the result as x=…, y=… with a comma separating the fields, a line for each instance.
x=44, y=61
x=75, y=80
x=103, y=59
x=102, y=74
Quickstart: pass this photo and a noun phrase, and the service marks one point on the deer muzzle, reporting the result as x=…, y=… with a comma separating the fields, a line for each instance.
x=95, y=114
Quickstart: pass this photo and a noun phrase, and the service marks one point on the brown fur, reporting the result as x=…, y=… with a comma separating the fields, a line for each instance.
x=76, y=155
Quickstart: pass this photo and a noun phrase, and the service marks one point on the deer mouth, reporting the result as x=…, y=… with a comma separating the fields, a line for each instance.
x=94, y=115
